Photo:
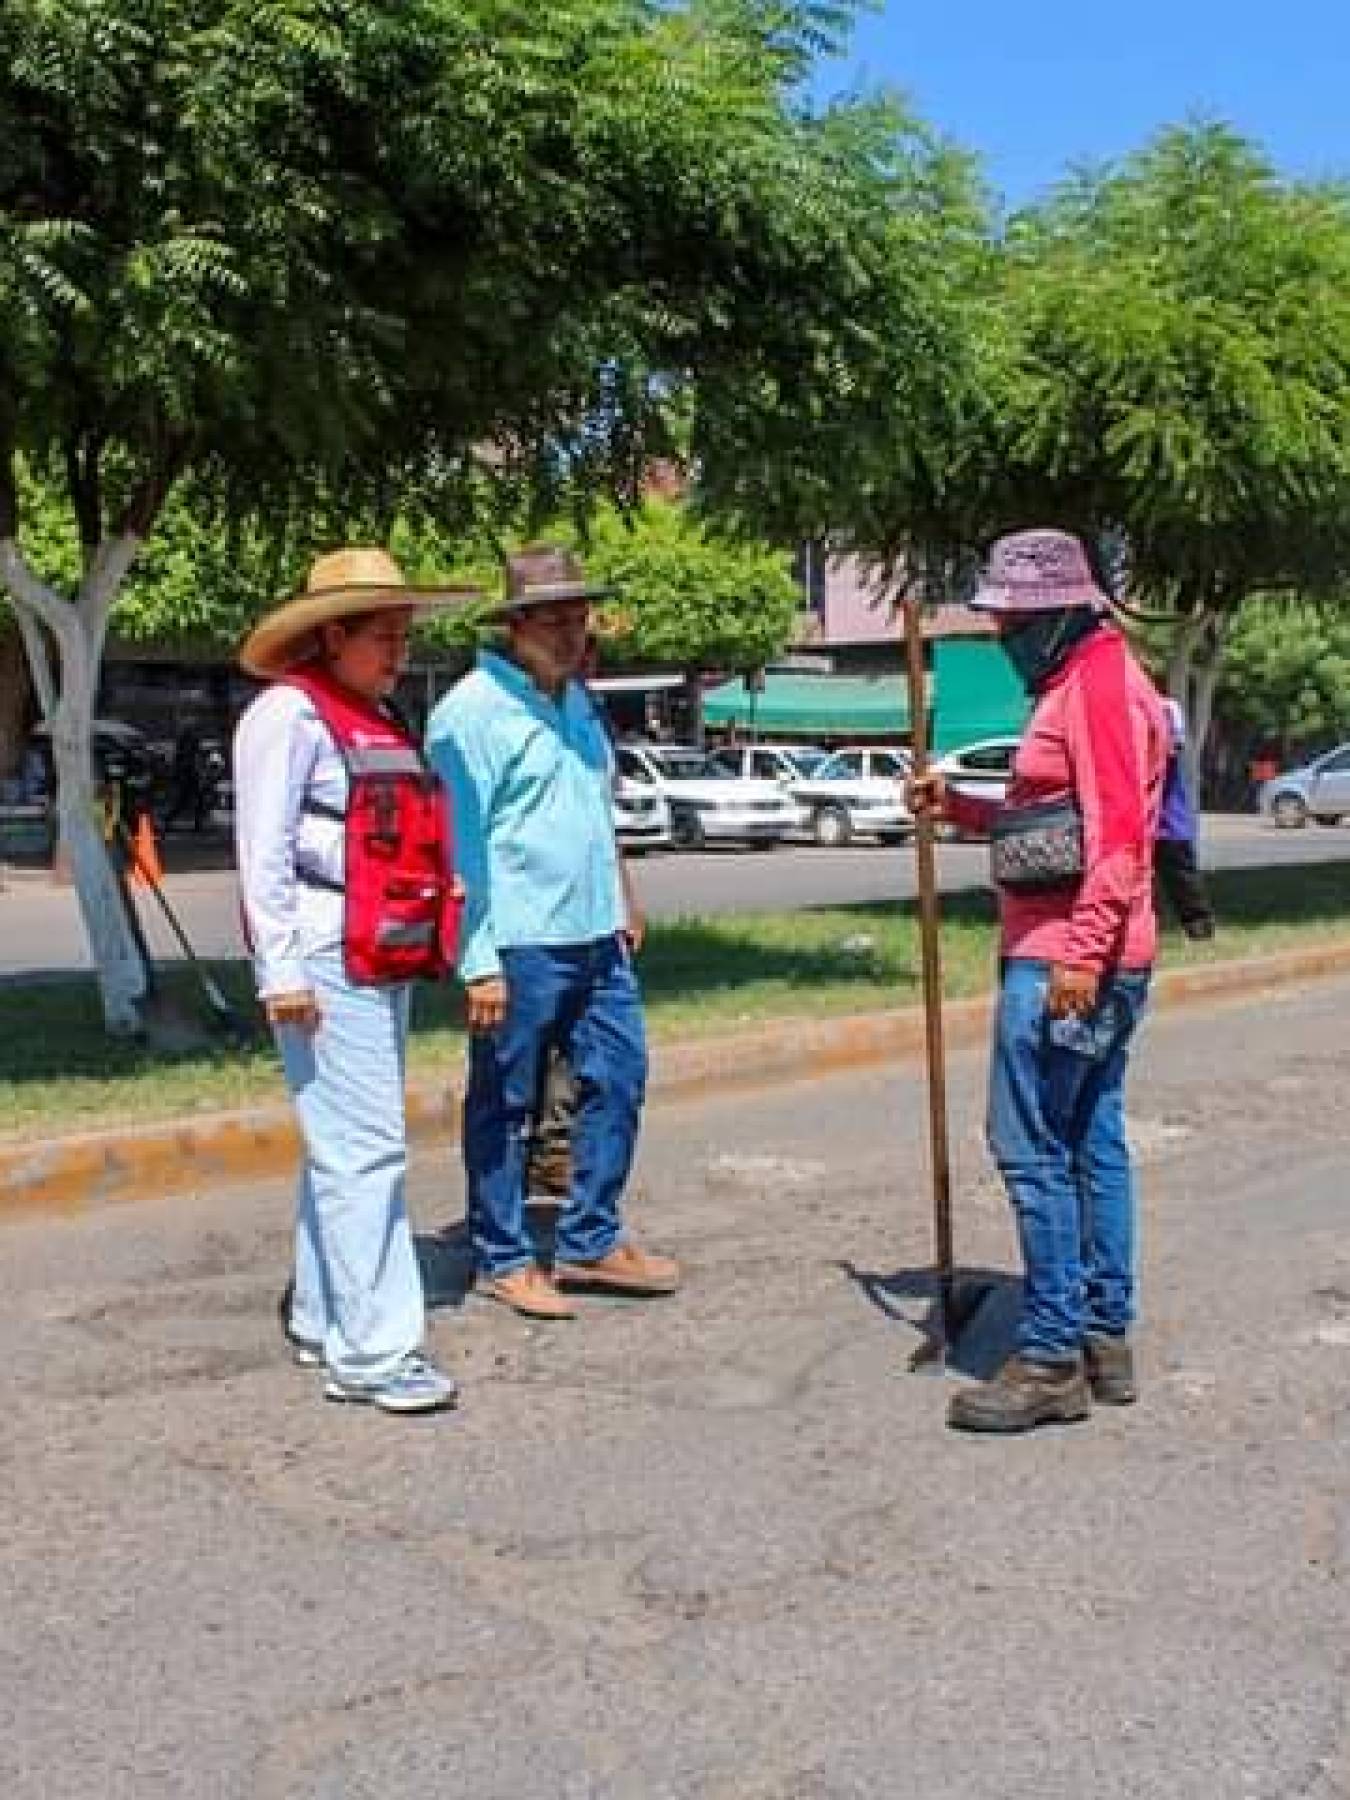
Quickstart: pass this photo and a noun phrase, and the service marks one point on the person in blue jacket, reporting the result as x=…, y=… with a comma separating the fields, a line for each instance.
x=550, y=931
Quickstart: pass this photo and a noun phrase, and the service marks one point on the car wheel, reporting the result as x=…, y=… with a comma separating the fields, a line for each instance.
x=831, y=827
x=1289, y=811
x=686, y=829
x=1327, y=818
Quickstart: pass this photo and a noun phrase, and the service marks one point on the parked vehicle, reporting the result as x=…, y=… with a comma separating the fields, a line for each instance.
x=785, y=764
x=983, y=769
x=641, y=815
x=708, y=804
x=857, y=792
x=1319, y=790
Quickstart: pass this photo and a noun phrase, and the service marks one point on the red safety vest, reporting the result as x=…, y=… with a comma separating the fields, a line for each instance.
x=401, y=914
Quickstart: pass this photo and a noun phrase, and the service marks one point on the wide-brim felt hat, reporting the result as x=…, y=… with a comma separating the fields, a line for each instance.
x=544, y=575
x=341, y=584
x=1037, y=571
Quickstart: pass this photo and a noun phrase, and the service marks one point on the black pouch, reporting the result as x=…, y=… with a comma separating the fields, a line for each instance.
x=1037, y=849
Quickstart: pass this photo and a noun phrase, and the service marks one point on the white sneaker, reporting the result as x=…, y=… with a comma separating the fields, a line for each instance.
x=415, y=1386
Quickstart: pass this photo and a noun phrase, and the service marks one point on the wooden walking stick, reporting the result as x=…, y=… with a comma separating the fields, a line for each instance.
x=954, y=1308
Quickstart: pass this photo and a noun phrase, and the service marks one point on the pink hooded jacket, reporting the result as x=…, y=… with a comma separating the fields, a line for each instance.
x=1100, y=735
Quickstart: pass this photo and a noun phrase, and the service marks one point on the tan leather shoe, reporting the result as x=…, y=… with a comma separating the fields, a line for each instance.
x=626, y=1270
x=530, y=1291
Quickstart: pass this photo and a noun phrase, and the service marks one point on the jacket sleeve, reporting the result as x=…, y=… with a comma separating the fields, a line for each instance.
x=458, y=752
x=275, y=748
x=1109, y=786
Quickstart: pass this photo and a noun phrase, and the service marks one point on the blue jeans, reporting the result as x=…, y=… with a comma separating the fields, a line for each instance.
x=1057, y=1132
x=358, y=1289
x=583, y=1000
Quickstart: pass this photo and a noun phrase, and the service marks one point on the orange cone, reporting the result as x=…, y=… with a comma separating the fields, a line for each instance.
x=145, y=869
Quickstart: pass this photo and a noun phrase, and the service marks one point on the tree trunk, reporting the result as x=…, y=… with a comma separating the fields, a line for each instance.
x=123, y=978
x=1193, y=669
x=122, y=971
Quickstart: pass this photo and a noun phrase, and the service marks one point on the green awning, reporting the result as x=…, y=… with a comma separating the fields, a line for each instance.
x=813, y=705
x=975, y=693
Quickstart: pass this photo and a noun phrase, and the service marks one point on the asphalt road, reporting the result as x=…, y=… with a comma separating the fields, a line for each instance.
x=720, y=1547
x=40, y=929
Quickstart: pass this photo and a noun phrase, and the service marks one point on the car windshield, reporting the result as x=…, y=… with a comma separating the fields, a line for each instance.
x=807, y=762
x=888, y=763
x=689, y=765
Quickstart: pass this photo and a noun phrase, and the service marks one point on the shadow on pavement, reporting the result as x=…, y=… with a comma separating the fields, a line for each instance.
x=984, y=1341
x=446, y=1256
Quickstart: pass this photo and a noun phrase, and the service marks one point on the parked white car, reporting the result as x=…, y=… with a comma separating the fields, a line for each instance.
x=641, y=815
x=982, y=770
x=707, y=804
x=785, y=764
x=857, y=792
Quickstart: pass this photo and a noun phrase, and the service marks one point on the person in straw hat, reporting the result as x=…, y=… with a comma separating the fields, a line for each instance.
x=1072, y=853
x=331, y=658
x=547, y=957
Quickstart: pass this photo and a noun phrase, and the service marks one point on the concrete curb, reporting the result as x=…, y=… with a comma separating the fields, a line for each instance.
x=75, y=1174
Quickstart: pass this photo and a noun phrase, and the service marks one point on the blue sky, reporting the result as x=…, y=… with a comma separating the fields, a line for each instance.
x=1035, y=85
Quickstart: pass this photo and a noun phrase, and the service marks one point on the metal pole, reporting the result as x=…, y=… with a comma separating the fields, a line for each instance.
x=926, y=869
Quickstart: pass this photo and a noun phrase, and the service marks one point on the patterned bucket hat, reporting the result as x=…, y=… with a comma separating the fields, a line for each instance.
x=1037, y=571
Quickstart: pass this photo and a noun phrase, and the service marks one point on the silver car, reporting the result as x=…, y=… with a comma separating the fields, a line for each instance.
x=1319, y=790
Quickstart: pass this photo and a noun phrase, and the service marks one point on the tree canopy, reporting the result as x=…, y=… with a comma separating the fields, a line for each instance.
x=336, y=259
x=1182, y=372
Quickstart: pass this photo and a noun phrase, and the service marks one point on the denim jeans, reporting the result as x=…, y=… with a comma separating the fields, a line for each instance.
x=1057, y=1132
x=358, y=1289
x=582, y=999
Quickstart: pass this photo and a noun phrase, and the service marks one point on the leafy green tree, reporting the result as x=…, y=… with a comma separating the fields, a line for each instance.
x=684, y=596
x=331, y=259
x=1179, y=383
x=1286, y=674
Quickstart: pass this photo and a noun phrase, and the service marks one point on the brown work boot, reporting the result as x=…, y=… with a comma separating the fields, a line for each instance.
x=1023, y=1394
x=530, y=1291
x=1109, y=1365
x=626, y=1270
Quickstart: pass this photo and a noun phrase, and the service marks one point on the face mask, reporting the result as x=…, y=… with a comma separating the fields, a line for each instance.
x=1039, y=646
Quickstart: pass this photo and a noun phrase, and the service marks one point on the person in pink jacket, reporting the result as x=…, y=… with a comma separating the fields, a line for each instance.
x=1072, y=850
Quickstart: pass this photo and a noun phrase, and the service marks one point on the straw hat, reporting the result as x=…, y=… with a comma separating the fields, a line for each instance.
x=1037, y=571
x=542, y=575
x=340, y=584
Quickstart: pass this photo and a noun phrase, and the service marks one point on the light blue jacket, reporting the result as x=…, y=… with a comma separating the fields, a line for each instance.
x=530, y=784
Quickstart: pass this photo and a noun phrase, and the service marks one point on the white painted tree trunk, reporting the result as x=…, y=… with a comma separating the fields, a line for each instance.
x=70, y=689
x=1193, y=669
x=122, y=975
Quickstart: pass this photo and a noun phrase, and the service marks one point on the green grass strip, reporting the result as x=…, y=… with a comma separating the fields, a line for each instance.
x=59, y=1073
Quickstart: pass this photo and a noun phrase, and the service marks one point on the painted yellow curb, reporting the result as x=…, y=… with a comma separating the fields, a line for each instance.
x=101, y=1168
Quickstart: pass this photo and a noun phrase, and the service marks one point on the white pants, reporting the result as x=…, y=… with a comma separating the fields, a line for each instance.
x=358, y=1289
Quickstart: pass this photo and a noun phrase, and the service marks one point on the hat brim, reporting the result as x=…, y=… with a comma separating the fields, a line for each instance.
x=548, y=596
x=994, y=597
x=288, y=634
